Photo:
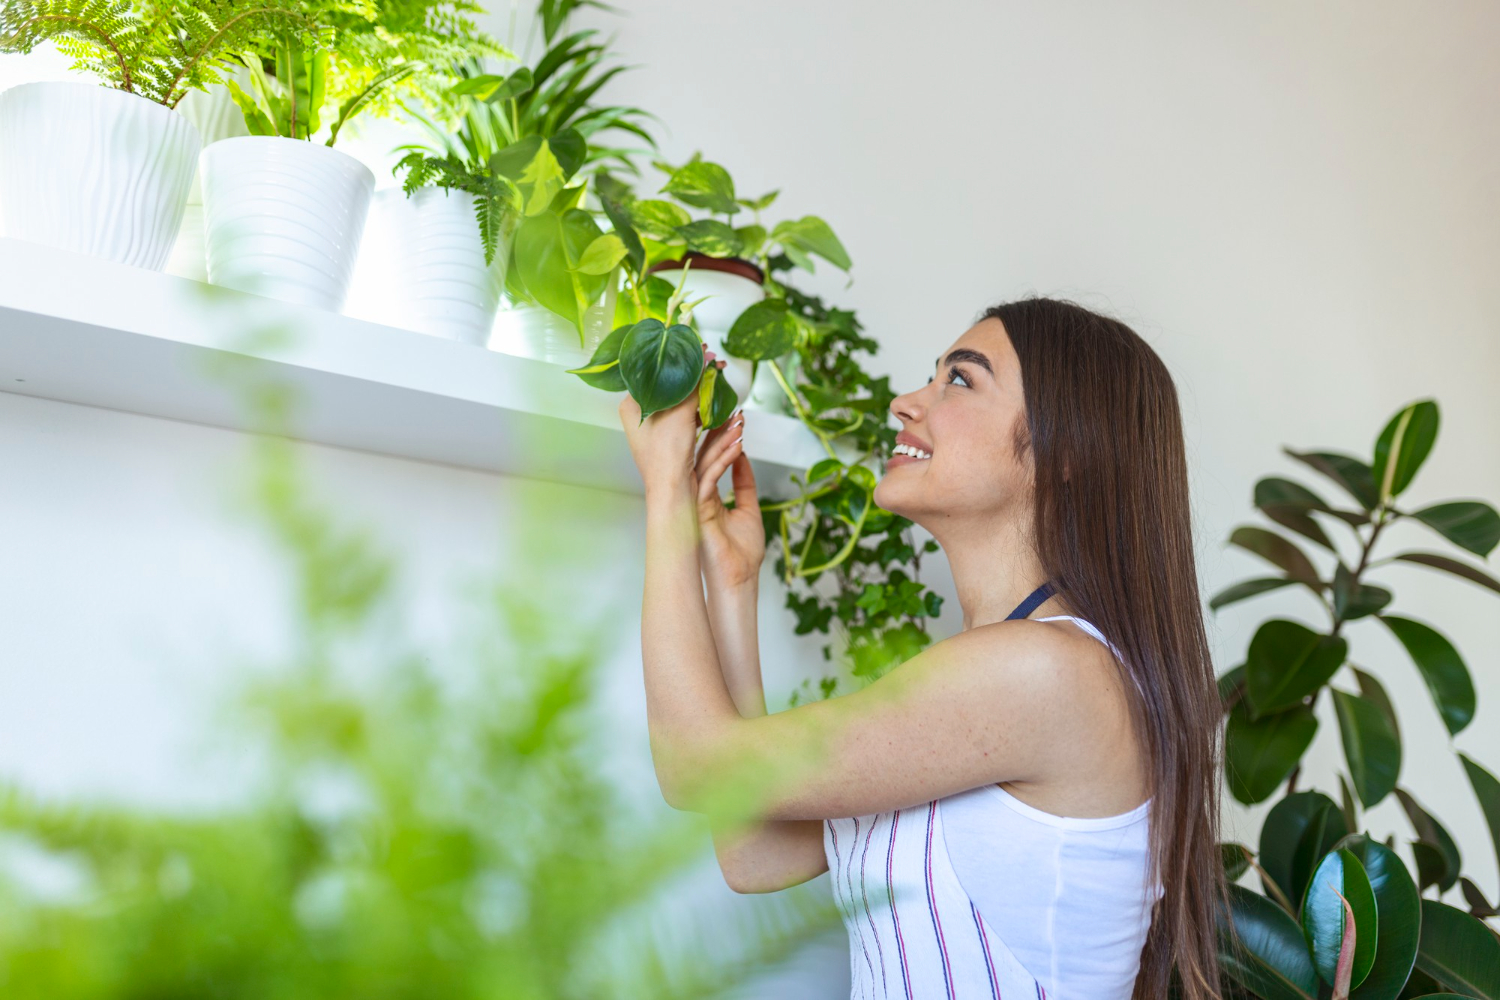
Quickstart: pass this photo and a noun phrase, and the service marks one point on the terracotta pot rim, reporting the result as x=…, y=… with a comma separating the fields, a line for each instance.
x=703, y=262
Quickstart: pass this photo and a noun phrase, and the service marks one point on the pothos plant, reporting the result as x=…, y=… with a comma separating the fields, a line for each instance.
x=1341, y=915
x=158, y=51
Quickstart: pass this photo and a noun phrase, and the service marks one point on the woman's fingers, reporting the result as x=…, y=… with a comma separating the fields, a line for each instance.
x=744, y=481
x=708, y=480
x=718, y=454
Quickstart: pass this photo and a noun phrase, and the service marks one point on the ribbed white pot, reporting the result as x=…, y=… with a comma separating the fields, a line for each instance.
x=442, y=284
x=283, y=217
x=94, y=170
x=728, y=296
x=534, y=332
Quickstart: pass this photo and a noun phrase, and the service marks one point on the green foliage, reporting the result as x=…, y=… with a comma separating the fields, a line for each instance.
x=494, y=211
x=1356, y=901
x=158, y=51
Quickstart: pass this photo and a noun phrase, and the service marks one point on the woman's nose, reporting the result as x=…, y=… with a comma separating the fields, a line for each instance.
x=905, y=407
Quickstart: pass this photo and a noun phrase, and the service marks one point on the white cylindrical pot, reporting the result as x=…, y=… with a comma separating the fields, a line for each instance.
x=535, y=332
x=283, y=217
x=443, y=285
x=94, y=170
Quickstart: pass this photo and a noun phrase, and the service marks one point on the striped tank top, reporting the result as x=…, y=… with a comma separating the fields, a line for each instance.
x=915, y=932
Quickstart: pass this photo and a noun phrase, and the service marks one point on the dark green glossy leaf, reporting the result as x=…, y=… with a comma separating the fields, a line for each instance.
x=1346, y=804
x=712, y=237
x=1247, y=589
x=1468, y=524
x=1235, y=857
x=1440, y=862
x=1353, y=600
x=1374, y=692
x=1487, y=791
x=1453, y=566
x=603, y=369
x=717, y=401
x=764, y=331
x=1278, y=551
x=1297, y=832
x=1322, y=915
x=1459, y=951
x=1350, y=473
x=1259, y=754
x=1289, y=504
x=661, y=364
x=1399, y=913
x=1286, y=662
x=1262, y=948
x=1371, y=746
x=1441, y=668
x=619, y=218
x=1478, y=905
x=703, y=185
x=1403, y=446
x=1230, y=681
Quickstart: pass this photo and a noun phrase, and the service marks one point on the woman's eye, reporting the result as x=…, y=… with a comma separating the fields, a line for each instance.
x=954, y=373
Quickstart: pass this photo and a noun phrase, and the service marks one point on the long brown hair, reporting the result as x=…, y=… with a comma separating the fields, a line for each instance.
x=1114, y=532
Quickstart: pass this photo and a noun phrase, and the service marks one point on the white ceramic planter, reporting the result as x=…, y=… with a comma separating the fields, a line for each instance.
x=534, y=332
x=94, y=170
x=439, y=281
x=283, y=217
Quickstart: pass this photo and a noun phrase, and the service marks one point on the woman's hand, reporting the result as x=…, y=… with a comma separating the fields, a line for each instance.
x=662, y=445
x=733, y=541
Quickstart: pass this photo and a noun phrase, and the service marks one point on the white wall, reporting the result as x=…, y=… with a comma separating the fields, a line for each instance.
x=1296, y=206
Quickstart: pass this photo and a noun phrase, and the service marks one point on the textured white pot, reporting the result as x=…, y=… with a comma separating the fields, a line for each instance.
x=534, y=332
x=94, y=170
x=442, y=285
x=283, y=217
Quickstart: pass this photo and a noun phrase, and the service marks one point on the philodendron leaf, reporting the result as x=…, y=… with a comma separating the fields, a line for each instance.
x=1247, y=589
x=721, y=402
x=1259, y=754
x=658, y=219
x=661, y=364
x=1469, y=524
x=1459, y=951
x=603, y=369
x=1279, y=552
x=1371, y=746
x=1323, y=915
x=764, y=331
x=811, y=235
x=712, y=237
x=1297, y=832
x=1399, y=918
x=1403, y=446
x=1288, y=661
x=1453, y=566
x=1262, y=948
x=1437, y=854
x=703, y=185
x=1487, y=791
x=601, y=256
x=1350, y=473
x=548, y=248
x=706, y=394
x=1441, y=668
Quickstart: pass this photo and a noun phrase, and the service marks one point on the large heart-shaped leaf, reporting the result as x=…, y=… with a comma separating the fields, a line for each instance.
x=1297, y=832
x=1459, y=951
x=1468, y=524
x=1403, y=446
x=765, y=330
x=1262, y=948
x=703, y=185
x=1371, y=746
x=548, y=248
x=1260, y=753
x=1400, y=918
x=1322, y=914
x=661, y=364
x=1288, y=661
x=1279, y=552
x=1441, y=667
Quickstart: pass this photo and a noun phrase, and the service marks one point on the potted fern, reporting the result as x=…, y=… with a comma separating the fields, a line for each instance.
x=105, y=170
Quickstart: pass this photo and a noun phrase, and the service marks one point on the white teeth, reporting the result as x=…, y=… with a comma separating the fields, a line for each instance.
x=906, y=449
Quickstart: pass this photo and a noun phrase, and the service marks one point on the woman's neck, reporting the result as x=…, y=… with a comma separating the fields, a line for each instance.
x=993, y=570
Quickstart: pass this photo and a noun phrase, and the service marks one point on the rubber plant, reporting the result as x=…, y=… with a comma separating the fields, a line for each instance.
x=1341, y=914
x=158, y=51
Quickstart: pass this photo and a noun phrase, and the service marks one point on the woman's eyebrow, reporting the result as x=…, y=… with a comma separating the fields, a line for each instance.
x=965, y=354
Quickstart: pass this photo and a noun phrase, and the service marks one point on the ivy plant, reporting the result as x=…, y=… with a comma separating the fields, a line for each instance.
x=1326, y=884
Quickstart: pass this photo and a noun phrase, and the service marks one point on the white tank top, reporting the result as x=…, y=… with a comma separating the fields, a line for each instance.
x=981, y=895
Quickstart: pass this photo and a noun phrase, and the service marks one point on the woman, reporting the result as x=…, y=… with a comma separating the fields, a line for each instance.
x=1028, y=808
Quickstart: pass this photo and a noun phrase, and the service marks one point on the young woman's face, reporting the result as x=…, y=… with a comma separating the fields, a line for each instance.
x=965, y=418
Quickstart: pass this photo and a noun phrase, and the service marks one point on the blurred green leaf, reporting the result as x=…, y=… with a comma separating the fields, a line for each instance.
x=712, y=237
x=703, y=185
x=1403, y=446
x=1259, y=754
x=1459, y=951
x=1487, y=791
x=1371, y=747
x=1353, y=475
x=1279, y=552
x=1440, y=863
x=603, y=369
x=1441, y=668
x=1248, y=589
x=1286, y=662
x=1453, y=566
x=1469, y=524
x=764, y=331
x=1353, y=600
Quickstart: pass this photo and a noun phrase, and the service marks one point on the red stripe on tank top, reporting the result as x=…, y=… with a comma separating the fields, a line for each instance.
x=879, y=951
x=890, y=889
x=989, y=962
x=849, y=880
x=937, y=925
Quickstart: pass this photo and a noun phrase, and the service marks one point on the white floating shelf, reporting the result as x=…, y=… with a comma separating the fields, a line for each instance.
x=86, y=330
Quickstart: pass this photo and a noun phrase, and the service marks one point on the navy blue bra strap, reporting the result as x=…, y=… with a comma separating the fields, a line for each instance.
x=1029, y=605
